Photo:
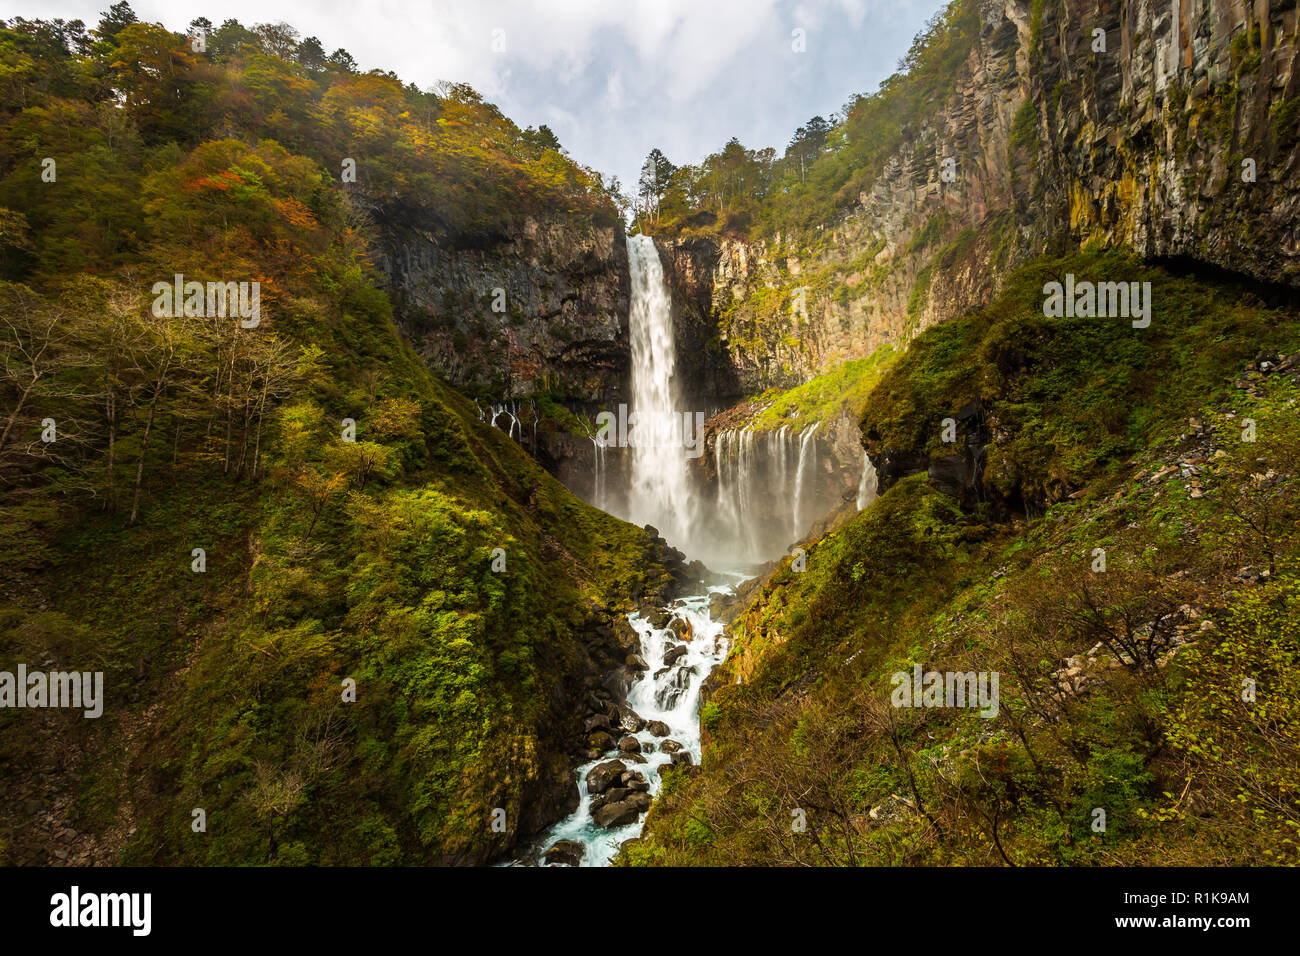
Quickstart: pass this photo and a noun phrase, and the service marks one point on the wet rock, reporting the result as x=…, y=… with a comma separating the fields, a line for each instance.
x=658, y=728
x=668, y=693
x=674, y=654
x=632, y=758
x=597, y=722
x=616, y=794
x=632, y=778
x=566, y=853
x=683, y=757
x=648, y=747
x=600, y=741
x=628, y=719
x=617, y=814
x=659, y=618
x=629, y=745
x=670, y=746
x=640, y=800
x=602, y=776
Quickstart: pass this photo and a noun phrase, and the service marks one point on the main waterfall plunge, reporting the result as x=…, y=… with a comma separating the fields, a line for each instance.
x=769, y=487
x=660, y=493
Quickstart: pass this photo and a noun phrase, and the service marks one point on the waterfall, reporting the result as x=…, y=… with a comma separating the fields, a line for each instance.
x=867, y=487
x=805, y=443
x=660, y=492
x=745, y=486
x=723, y=444
x=598, y=486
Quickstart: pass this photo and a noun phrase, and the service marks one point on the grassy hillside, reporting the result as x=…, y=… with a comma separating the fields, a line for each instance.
x=1121, y=682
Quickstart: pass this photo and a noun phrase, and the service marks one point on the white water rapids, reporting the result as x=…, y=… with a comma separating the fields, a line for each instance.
x=674, y=699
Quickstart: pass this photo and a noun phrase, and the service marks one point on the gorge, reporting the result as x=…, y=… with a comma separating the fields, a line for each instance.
x=535, y=523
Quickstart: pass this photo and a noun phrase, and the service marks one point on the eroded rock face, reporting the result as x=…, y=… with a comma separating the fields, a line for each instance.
x=561, y=316
x=1052, y=144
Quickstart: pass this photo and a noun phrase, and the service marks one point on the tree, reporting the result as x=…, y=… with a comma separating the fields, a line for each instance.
x=277, y=39
x=541, y=138
x=656, y=172
x=228, y=39
x=201, y=27
x=807, y=144
x=37, y=345
x=152, y=68
x=311, y=54
x=115, y=19
x=156, y=357
x=341, y=59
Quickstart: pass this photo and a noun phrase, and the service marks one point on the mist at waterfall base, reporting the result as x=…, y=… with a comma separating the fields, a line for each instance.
x=763, y=501
x=768, y=487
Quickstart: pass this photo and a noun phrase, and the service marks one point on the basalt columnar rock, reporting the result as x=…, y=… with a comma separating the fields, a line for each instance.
x=1168, y=126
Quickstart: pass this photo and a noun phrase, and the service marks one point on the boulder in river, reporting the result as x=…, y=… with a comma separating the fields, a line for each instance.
x=629, y=745
x=617, y=814
x=602, y=776
x=566, y=853
x=615, y=794
x=682, y=757
x=632, y=779
x=669, y=747
x=674, y=654
x=628, y=719
x=658, y=728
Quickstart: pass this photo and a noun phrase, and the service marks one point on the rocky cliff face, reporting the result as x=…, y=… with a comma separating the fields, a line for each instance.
x=1171, y=126
x=541, y=309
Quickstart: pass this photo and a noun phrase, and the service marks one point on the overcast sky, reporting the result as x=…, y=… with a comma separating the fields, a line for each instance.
x=612, y=78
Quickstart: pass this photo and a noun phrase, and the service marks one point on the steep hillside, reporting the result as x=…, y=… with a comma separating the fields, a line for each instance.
x=1114, y=537
x=339, y=618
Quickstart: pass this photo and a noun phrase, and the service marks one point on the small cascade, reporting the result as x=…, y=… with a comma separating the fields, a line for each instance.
x=600, y=493
x=512, y=414
x=868, y=486
x=806, y=460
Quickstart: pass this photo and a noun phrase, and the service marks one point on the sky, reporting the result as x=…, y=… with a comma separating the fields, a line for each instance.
x=611, y=78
